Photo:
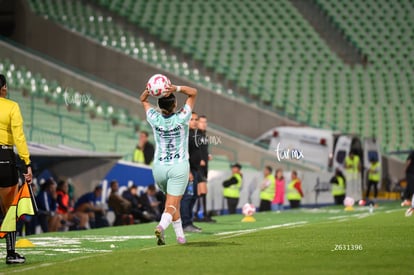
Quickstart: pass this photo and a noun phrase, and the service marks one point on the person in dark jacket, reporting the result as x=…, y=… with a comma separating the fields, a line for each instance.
x=190, y=196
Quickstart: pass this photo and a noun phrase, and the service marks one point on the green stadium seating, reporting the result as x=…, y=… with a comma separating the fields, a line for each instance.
x=268, y=48
x=49, y=119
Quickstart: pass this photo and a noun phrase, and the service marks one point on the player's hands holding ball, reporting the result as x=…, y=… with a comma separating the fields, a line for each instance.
x=170, y=89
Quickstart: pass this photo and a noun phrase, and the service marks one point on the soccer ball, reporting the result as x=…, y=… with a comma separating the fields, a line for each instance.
x=157, y=85
x=362, y=203
x=248, y=209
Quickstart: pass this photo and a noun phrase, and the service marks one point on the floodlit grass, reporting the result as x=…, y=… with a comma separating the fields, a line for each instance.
x=308, y=241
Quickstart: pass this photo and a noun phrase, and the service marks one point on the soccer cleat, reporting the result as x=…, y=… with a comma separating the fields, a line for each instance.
x=181, y=240
x=15, y=259
x=192, y=229
x=405, y=203
x=159, y=234
x=409, y=212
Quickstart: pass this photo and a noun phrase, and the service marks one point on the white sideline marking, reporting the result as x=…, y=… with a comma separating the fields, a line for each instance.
x=50, y=264
x=337, y=217
x=230, y=234
x=394, y=210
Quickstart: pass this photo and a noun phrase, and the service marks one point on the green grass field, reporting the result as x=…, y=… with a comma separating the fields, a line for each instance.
x=308, y=241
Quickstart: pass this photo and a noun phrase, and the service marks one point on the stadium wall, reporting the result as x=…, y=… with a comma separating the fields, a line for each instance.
x=91, y=57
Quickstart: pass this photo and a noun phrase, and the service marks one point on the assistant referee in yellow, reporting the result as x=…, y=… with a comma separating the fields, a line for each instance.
x=11, y=133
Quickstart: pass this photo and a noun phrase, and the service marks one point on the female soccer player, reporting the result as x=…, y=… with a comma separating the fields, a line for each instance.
x=171, y=161
x=11, y=133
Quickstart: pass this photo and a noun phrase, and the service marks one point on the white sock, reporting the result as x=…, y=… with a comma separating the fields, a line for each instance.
x=178, y=228
x=165, y=221
x=412, y=202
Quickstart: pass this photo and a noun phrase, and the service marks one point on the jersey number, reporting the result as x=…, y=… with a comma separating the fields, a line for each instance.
x=169, y=155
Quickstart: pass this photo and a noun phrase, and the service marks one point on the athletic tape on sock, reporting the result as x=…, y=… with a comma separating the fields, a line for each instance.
x=173, y=207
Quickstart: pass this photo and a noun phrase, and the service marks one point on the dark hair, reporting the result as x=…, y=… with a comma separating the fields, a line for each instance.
x=166, y=104
x=202, y=116
x=2, y=81
x=294, y=172
x=60, y=184
x=46, y=185
x=277, y=171
x=269, y=168
x=113, y=182
x=152, y=187
x=145, y=133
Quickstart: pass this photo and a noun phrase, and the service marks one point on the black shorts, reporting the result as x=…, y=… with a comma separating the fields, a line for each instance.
x=203, y=170
x=8, y=169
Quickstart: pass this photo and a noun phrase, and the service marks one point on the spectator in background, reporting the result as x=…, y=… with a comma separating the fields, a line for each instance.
x=353, y=164
x=353, y=172
x=374, y=174
x=338, y=187
x=153, y=201
x=202, y=142
x=47, y=205
x=294, y=190
x=138, y=210
x=120, y=206
x=409, y=190
x=65, y=209
x=232, y=186
x=279, y=198
x=144, y=152
x=90, y=203
x=190, y=195
x=267, y=190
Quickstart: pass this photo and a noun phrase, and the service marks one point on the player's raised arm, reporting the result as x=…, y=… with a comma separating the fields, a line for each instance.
x=144, y=100
x=190, y=92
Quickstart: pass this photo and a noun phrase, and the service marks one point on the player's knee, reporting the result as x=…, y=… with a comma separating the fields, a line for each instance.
x=173, y=209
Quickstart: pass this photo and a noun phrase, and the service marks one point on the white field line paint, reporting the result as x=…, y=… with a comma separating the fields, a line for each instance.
x=396, y=210
x=337, y=217
x=230, y=234
x=50, y=264
x=342, y=220
x=261, y=229
x=364, y=215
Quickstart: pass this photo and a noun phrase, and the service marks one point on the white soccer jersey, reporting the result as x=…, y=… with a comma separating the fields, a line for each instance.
x=170, y=135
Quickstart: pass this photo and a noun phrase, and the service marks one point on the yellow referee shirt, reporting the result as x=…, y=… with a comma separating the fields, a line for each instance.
x=11, y=128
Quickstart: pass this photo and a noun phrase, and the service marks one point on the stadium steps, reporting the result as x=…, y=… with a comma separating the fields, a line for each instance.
x=328, y=31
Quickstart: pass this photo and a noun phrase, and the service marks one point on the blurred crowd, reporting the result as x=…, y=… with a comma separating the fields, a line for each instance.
x=59, y=210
